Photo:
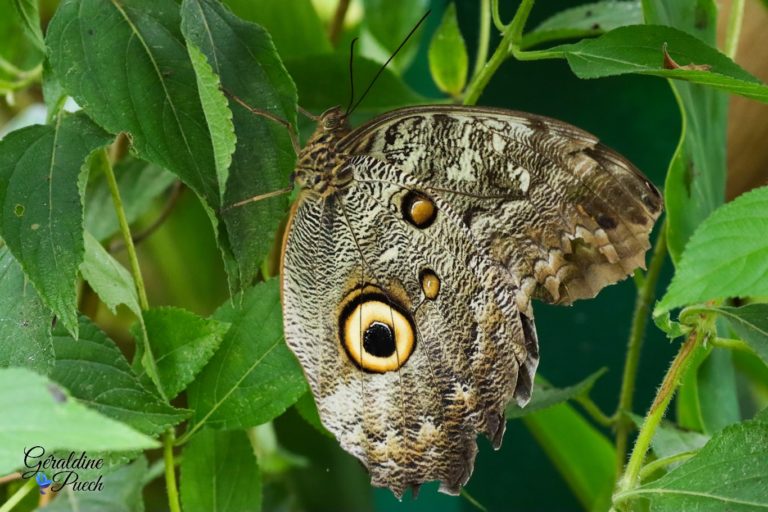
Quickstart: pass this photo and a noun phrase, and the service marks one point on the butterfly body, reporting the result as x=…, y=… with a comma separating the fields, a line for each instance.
x=414, y=249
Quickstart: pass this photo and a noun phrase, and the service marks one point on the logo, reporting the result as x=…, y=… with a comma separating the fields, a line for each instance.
x=63, y=470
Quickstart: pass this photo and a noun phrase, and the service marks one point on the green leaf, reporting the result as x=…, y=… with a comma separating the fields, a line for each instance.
x=25, y=323
x=207, y=459
x=41, y=210
x=582, y=454
x=448, y=59
x=37, y=410
x=137, y=48
x=122, y=492
x=727, y=474
x=217, y=114
x=695, y=183
x=242, y=54
x=140, y=183
x=670, y=440
x=182, y=344
x=724, y=258
x=750, y=323
x=638, y=49
x=17, y=44
x=585, y=20
x=109, y=279
x=29, y=13
x=718, y=396
x=323, y=82
x=545, y=395
x=253, y=377
x=307, y=409
x=385, y=26
x=293, y=25
x=97, y=373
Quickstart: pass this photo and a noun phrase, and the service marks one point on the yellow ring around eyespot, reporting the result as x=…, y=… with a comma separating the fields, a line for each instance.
x=360, y=319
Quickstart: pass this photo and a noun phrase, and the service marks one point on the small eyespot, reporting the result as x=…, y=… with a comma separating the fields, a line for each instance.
x=430, y=284
x=376, y=334
x=418, y=209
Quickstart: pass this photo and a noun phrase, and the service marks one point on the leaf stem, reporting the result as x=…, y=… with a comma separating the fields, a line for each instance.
x=18, y=496
x=591, y=408
x=170, y=471
x=337, y=23
x=657, y=464
x=483, y=37
x=645, y=296
x=509, y=45
x=657, y=410
x=125, y=230
x=731, y=344
x=733, y=31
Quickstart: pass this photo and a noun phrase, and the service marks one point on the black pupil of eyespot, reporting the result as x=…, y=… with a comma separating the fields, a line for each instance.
x=379, y=340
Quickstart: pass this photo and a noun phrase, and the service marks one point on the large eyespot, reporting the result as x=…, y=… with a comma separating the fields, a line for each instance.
x=376, y=333
x=418, y=209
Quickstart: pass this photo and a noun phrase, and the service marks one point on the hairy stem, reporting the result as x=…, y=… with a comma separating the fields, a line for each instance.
x=645, y=295
x=657, y=410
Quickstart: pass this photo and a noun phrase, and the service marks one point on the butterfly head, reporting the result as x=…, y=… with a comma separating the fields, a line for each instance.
x=321, y=168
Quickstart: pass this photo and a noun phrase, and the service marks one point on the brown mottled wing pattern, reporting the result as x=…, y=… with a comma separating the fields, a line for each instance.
x=564, y=213
x=474, y=350
x=526, y=207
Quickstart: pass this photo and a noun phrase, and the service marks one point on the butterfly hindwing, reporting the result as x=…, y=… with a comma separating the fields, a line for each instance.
x=472, y=349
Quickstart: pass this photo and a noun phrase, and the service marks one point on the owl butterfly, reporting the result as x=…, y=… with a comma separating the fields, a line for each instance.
x=412, y=253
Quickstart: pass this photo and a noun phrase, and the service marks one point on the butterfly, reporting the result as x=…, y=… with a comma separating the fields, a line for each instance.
x=412, y=254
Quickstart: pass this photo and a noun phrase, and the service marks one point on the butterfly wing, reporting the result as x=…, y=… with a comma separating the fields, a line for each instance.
x=351, y=259
x=563, y=212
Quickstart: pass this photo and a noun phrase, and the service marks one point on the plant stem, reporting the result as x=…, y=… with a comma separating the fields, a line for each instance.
x=734, y=28
x=732, y=344
x=483, y=37
x=501, y=27
x=509, y=45
x=654, y=466
x=591, y=408
x=657, y=410
x=645, y=296
x=170, y=471
x=125, y=230
x=337, y=23
x=169, y=436
x=18, y=496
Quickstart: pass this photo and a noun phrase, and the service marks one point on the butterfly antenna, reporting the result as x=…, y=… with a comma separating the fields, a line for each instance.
x=382, y=68
x=351, y=76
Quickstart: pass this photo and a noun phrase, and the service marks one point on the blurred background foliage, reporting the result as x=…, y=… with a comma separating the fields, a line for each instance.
x=636, y=115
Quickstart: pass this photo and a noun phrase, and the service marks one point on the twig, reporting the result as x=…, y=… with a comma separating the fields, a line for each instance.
x=170, y=204
x=483, y=36
x=170, y=471
x=656, y=412
x=645, y=296
x=337, y=23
